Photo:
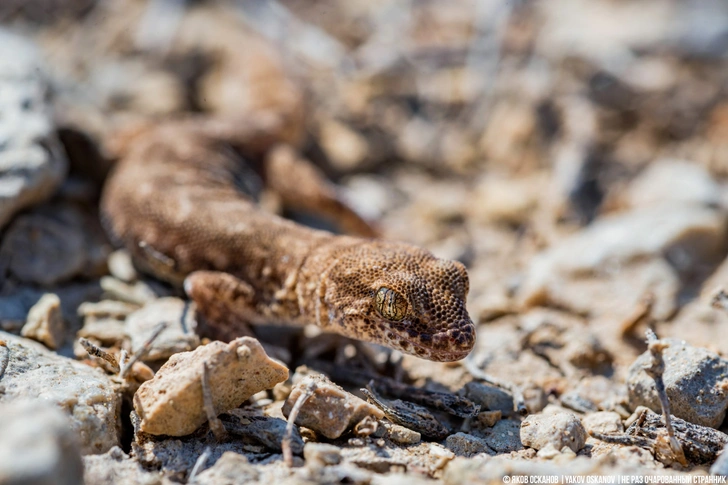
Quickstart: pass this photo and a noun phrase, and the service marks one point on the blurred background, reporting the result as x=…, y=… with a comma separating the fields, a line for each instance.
x=572, y=154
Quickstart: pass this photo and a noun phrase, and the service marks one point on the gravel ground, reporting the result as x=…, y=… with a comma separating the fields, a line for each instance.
x=573, y=155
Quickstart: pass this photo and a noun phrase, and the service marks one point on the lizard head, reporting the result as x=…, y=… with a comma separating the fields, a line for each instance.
x=399, y=296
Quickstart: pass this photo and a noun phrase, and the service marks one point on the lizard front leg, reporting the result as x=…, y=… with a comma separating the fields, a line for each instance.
x=227, y=303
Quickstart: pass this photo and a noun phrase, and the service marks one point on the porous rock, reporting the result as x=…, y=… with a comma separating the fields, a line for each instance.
x=118, y=468
x=404, y=436
x=695, y=381
x=230, y=468
x=172, y=402
x=45, y=322
x=464, y=444
x=178, y=335
x=32, y=161
x=720, y=467
x=321, y=454
x=85, y=393
x=604, y=422
x=557, y=428
x=38, y=445
x=329, y=410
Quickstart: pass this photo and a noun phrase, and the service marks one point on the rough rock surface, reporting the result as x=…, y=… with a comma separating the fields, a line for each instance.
x=463, y=444
x=604, y=422
x=695, y=381
x=38, y=445
x=172, y=404
x=45, y=322
x=321, y=454
x=118, y=468
x=178, y=334
x=32, y=161
x=85, y=393
x=329, y=410
x=646, y=241
x=559, y=429
x=48, y=245
x=230, y=468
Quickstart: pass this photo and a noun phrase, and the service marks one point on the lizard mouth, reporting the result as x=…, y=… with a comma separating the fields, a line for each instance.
x=451, y=353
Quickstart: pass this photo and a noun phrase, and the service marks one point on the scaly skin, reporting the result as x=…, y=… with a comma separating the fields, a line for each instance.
x=180, y=202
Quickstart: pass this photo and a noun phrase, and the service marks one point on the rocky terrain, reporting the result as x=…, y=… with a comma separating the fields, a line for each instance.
x=573, y=155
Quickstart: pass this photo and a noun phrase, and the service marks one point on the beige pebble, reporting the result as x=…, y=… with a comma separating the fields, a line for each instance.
x=45, y=322
x=330, y=410
x=172, y=403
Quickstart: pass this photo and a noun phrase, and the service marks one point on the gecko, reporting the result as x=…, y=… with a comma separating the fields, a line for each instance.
x=182, y=199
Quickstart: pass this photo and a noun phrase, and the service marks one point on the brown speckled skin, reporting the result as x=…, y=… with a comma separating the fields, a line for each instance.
x=177, y=203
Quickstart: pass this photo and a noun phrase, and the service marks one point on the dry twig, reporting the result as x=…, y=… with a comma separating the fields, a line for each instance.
x=656, y=347
x=218, y=429
x=95, y=351
x=286, y=441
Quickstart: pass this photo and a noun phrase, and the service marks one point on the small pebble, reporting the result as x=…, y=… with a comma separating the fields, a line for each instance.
x=605, y=422
x=403, y=436
x=488, y=419
x=45, y=322
x=321, y=454
x=463, y=444
x=557, y=428
x=330, y=410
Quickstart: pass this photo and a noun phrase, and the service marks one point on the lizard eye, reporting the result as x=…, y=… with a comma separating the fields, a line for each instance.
x=390, y=304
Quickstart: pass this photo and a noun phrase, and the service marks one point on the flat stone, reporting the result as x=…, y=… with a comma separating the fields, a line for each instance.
x=38, y=445
x=490, y=398
x=32, y=160
x=694, y=381
x=330, y=410
x=464, y=444
x=47, y=245
x=172, y=403
x=178, y=335
x=604, y=422
x=84, y=393
x=559, y=429
x=45, y=322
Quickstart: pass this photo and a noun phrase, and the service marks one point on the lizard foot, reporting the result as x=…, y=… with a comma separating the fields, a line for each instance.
x=225, y=303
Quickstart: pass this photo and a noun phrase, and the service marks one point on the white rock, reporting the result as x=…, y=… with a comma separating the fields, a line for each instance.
x=85, y=393
x=37, y=445
x=116, y=467
x=45, y=322
x=677, y=181
x=32, y=161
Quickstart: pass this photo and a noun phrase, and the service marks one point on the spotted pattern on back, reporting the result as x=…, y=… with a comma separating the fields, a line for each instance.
x=178, y=204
